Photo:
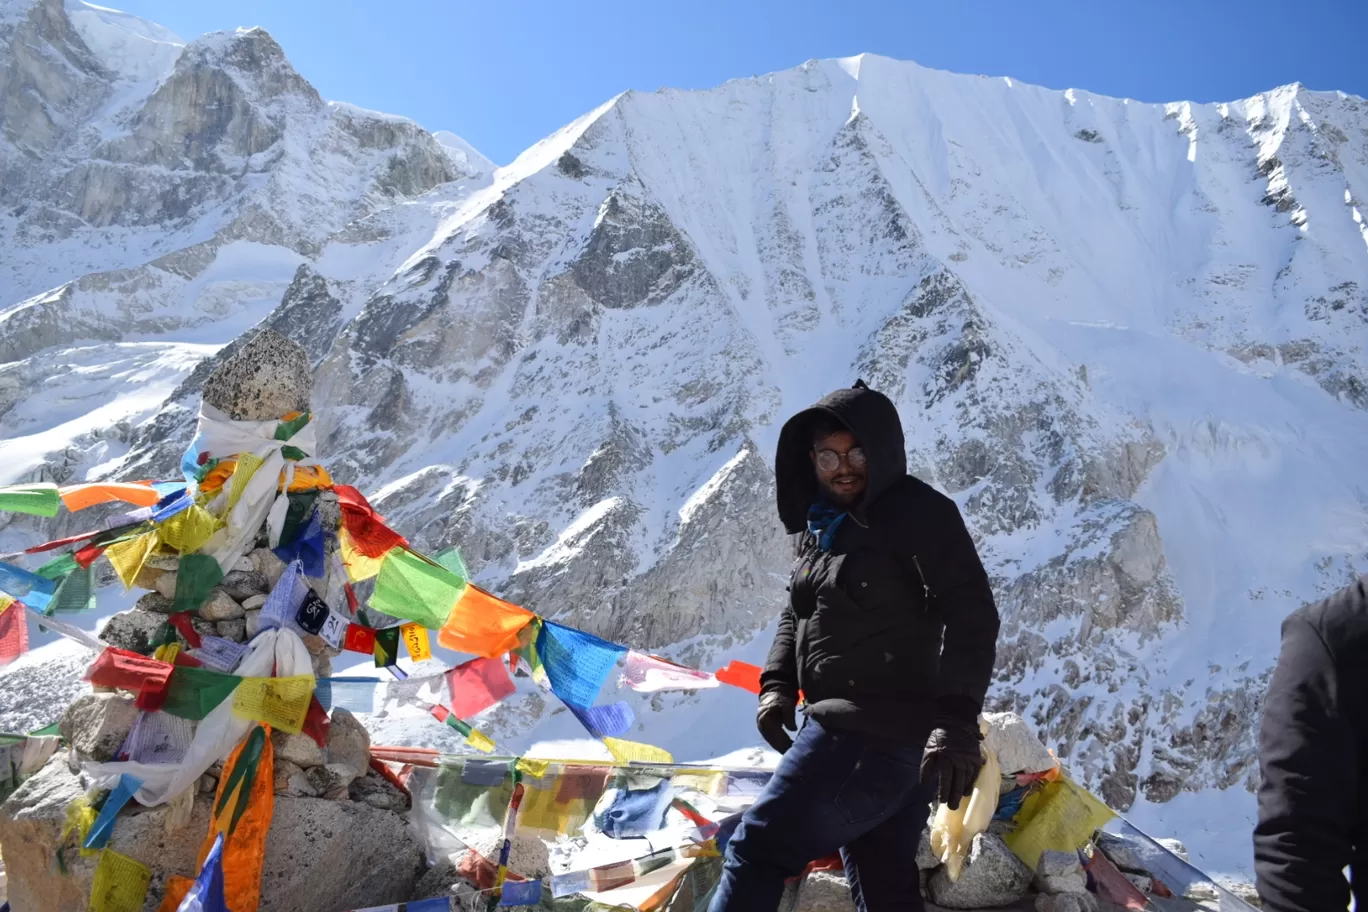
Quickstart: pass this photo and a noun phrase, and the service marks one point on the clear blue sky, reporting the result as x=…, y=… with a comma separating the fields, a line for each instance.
x=505, y=74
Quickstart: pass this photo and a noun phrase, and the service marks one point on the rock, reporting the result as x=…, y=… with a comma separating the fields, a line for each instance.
x=1060, y=872
x=156, y=603
x=1143, y=882
x=244, y=564
x=926, y=859
x=1241, y=890
x=328, y=783
x=244, y=584
x=329, y=511
x=203, y=627
x=824, y=891
x=377, y=791
x=322, y=664
x=132, y=630
x=147, y=578
x=993, y=876
x=268, y=565
x=266, y=378
x=348, y=749
x=290, y=779
x=166, y=584
x=1016, y=745
x=97, y=724
x=1069, y=902
x=301, y=750
x=253, y=623
x=221, y=607
x=232, y=630
x=319, y=854
x=1176, y=847
x=454, y=875
x=253, y=602
x=162, y=561
x=208, y=784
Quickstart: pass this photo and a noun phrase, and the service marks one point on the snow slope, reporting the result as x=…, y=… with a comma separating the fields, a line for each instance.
x=1128, y=339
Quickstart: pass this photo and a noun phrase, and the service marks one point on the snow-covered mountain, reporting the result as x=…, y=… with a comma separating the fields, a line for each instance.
x=1131, y=340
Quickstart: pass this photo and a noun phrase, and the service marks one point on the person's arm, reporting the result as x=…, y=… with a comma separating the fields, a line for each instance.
x=781, y=668
x=1307, y=801
x=961, y=592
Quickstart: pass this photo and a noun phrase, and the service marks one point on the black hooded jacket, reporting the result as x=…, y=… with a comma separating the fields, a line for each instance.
x=1313, y=754
x=895, y=627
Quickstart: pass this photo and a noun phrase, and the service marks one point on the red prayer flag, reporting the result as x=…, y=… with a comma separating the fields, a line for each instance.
x=152, y=696
x=316, y=722
x=367, y=529
x=740, y=674
x=70, y=540
x=1112, y=885
x=88, y=555
x=127, y=670
x=13, y=632
x=477, y=685
x=181, y=621
x=359, y=639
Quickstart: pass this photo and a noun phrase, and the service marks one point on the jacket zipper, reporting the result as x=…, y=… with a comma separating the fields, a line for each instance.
x=926, y=590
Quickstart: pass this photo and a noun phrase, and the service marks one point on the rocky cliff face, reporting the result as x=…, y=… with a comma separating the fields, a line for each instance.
x=1128, y=339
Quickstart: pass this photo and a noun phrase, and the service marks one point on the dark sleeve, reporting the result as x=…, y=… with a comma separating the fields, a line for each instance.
x=1304, y=836
x=964, y=598
x=781, y=668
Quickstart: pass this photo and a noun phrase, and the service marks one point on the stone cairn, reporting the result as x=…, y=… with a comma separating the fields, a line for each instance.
x=339, y=837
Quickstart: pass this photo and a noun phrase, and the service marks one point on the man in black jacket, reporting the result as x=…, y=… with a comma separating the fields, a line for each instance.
x=890, y=634
x=1313, y=752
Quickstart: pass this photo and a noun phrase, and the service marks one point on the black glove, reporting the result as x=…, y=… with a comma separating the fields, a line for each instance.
x=953, y=755
x=777, y=712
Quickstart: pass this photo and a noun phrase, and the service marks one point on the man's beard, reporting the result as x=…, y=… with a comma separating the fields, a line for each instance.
x=838, y=498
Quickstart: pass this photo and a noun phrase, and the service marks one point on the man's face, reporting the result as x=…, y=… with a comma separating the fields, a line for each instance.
x=840, y=474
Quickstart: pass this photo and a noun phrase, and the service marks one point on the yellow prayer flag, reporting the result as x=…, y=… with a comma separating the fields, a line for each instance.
x=359, y=567
x=167, y=653
x=188, y=530
x=80, y=817
x=127, y=557
x=480, y=741
x=415, y=637
x=247, y=465
x=278, y=702
x=1060, y=817
x=635, y=751
x=708, y=782
x=530, y=767
x=120, y=884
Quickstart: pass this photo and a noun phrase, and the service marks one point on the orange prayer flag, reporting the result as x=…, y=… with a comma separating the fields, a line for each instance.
x=740, y=674
x=244, y=852
x=482, y=624
x=79, y=496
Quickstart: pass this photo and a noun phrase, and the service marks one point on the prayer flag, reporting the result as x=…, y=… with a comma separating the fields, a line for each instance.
x=386, y=647
x=76, y=592
x=334, y=630
x=57, y=568
x=415, y=637
x=159, y=737
x=359, y=639
x=120, y=884
x=30, y=588
x=477, y=685
x=577, y=663
x=413, y=589
x=13, y=630
x=79, y=496
x=128, y=557
x=126, y=670
x=452, y=560
x=278, y=702
x=282, y=604
x=39, y=499
x=195, y=692
x=652, y=674
x=196, y=577
x=313, y=613
x=206, y=895
x=636, y=752
x=1060, y=816
x=519, y=893
x=367, y=530
x=740, y=674
x=351, y=694
x=483, y=625
x=605, y=721
x=218, y=653
x=188, y=530
x=98, y=837
x=306, y=547
x=186, y=628
x=474, y=738
x=359, y=566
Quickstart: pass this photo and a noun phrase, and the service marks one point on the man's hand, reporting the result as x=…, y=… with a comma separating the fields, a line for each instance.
x=777, y=712
x=953, y=754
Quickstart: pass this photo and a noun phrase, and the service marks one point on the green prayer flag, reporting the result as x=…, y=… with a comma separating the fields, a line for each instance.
x=413, y=589
x=387, y=647
x=74, y=593
x=39, y=499
x=297, y=514
x=293, y=453
x=194, y=692
x=196, y=577
x=287, y=429
x=452, y=560
x=58, y=567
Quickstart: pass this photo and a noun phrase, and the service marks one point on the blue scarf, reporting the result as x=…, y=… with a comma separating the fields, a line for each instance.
x=822, y=521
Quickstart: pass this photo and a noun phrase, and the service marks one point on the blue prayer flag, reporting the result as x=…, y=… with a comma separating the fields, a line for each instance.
x=521, y=893
x=206, y=893
x=611, y=721
x=98, y=836
x=577, y=663
x=30, y=588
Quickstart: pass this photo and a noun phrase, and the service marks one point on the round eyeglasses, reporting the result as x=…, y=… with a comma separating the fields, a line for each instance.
x=830, y=460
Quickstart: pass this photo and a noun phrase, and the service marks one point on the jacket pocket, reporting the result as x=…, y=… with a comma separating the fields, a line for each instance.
x=875, y=786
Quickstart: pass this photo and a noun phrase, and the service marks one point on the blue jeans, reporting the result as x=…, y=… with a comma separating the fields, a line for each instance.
x=833, y=790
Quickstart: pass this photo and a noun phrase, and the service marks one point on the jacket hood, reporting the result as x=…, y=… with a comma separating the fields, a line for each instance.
x=872, y=418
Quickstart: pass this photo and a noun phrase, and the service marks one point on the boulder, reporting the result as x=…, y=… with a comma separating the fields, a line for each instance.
x=252, y=620
x=291, y=780
x=221, y=607
x=232, y=630
x=322, y=664
x=253, y=602
x=244, y=564
x=329, y=511
x=824, y=891
x=156, y=603
x=320, y=855
x=993, y=876
x=1018, y=749
x=457, y=875
x=243, y=584
x=348, y=749
x=377, y=791
x=268, y=565
x=1060, y=872
x=162, y=561
x=97, y=724
x=1070, y=902
x=327, y=783
x=926, y=859
x=147, y=578
x=133, y=630
x=166, y=584
x=266, y=378
x=300, y=750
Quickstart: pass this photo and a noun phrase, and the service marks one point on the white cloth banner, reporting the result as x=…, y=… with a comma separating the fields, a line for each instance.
x=650, y=674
